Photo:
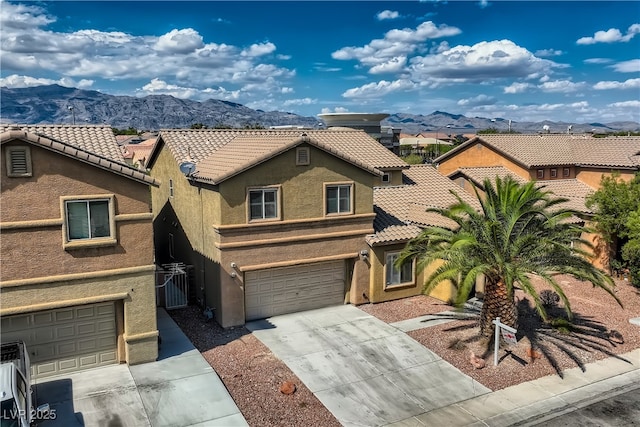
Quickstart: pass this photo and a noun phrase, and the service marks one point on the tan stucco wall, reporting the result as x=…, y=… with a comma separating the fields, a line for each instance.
x=302, y=191
x=533, y=173
x=593, y=176
x=38, y=273
x=479, y=155
x=377, y=291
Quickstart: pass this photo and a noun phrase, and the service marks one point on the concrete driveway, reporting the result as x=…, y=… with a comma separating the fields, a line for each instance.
x=366, y=372
x=180, y=389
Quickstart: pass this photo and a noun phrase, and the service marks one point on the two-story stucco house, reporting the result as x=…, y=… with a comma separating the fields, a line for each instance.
x=76, y=249
x=273, y=221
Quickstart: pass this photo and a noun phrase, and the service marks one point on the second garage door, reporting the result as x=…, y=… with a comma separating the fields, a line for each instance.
x=282, y=290
x=65, y=339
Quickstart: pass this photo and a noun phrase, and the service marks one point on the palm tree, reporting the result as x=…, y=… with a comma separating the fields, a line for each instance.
x=519, y=231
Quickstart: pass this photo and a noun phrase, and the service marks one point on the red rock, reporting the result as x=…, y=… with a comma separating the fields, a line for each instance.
x=287, y=387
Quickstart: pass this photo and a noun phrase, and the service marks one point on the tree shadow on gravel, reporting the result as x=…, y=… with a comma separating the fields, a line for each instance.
x=581, y=333
x=203, y=332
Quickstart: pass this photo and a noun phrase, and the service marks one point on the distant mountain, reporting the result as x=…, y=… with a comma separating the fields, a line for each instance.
x=57, y=104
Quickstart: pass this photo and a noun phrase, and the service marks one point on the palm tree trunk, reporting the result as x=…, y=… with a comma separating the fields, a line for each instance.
x=498, y=302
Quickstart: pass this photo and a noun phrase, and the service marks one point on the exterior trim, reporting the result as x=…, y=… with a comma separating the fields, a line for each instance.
x=56, y=222
x=140, y=337
x=90, y=242
x=235, y=245
x=60, y=304
x=233, y=227
x=297, y=262
x=134, y=216
x=78, y=276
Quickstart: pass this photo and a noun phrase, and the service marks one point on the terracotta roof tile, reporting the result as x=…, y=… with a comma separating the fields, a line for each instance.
x=562, y=149
x=90, y=144
x=98, y=140
x=478, y=175
x=220, y=153
x=401, y=210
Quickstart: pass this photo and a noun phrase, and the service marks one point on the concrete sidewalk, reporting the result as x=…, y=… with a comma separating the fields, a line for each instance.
x=179, y=389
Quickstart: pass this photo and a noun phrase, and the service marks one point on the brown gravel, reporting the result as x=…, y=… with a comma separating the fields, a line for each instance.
x=254, y=376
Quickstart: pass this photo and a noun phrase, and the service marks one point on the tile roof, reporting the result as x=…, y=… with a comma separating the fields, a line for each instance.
x=222, y=153
x=98, y=140
x=401, y=210
x=561, y=149
x=572, y=189
x=95, y=145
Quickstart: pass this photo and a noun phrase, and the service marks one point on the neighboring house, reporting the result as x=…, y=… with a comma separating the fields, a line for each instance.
x=570, y=166
x=76, y=249
x=401, y=213
x=273, y=221
x=136, y=155
x=548, y=156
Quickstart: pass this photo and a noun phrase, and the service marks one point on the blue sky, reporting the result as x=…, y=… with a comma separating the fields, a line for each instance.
x=575, y=61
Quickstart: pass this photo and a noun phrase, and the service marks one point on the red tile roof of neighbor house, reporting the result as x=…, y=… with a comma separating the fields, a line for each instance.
x=401, y=211
x=561, y=149
x=95, y=145
x=222, y=153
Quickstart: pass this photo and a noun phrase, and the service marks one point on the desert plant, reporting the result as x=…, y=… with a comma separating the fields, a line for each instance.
x=549, y=298
x=519, y=231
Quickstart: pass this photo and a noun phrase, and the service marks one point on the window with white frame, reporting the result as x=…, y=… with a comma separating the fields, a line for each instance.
x=566, y=172
x=397, y=276
x=540, y=174
x=386, y=178
x=338, y=198
x=263, y=203
x=18, y=161
x=554, y=172
x=89, y=219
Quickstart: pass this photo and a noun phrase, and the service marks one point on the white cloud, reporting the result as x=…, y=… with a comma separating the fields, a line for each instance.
x=301, y=101
x=626, y=104
x=482, y=61
x=387, y=14
x=287, y=90
x=627, y=84
x=22, y=17
x=477, y=100
x=160, y=87
x=393, y=65
x=326, y=110
x=561, y=86
x=381, y=88
x=517, y=88
x=612, y=35
x=179, y=41
x=16, y=81
x=632, y=66
x=259, y=49
x=598, y=61
x=395, y=43
x=545, y=53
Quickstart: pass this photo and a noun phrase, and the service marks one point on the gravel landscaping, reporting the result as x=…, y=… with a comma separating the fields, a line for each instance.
x=259, y=382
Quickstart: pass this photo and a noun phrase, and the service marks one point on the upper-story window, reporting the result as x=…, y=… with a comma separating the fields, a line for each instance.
x=170, y=187
x=339, y=198
x=554, y=172
x=263, y=203
x=386, y=178
x=540, y=174
x=566, y=172
x=18, y=161
x=89, y=220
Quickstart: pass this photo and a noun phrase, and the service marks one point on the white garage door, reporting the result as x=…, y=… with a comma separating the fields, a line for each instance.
x=65, y=339
x=283, y=290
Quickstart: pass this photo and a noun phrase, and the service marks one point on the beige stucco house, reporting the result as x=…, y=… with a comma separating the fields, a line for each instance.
x=76, y=249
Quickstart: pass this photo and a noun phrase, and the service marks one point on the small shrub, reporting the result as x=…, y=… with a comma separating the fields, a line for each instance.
x=549, y=298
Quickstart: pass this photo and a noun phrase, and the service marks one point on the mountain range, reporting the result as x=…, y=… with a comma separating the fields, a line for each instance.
x=56, y=104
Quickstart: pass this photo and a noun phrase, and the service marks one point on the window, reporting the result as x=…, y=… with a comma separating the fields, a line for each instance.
x=171, y=246
x=263, y=204
x=338, y=198
x=18, y=161
x=566, y=172
x=302, y=156
x=386, y=178
x=397, y=276
x=88, y=221
x=554, y=172
x=170, y=188
x=540, y=173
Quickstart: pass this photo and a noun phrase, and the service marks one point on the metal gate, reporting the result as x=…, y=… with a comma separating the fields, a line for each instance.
x=174, y=279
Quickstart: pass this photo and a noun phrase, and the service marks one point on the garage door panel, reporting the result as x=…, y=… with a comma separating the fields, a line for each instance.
x=289, y=289
x=66, y=339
